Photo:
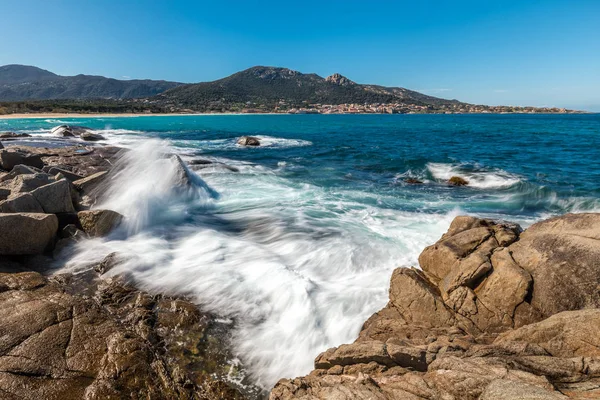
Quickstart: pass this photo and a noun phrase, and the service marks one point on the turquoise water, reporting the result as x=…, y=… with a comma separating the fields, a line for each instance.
x=293, y=242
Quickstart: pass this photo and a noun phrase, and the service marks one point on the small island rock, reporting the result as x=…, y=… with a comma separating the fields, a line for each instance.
x=458, y=181
x=248, y=141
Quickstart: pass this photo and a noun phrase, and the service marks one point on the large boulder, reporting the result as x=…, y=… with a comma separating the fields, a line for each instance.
x=10, y=158
x=26, y=182
x=22, y=203
x=562, y=255
x=55, y=197
x=27, y=233
x=99, y=222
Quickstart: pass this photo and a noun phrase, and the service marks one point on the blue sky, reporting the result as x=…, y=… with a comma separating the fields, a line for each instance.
x=524, y=52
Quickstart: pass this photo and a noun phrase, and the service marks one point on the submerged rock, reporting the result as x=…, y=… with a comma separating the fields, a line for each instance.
x=248, y=141
x=458, y=181
x=413, y=181
x=494, y=313
x=91, y=137
x=27, y=233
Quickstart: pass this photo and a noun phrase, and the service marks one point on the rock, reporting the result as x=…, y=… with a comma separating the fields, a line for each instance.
x=566, y=334
x=55, y=197
x=1, y=145
x=13, y=135
x=458, y=181
x=413, y=181
x=69, y=130
x=67, y=174
x=91, y=137
x=109, y=262
x=23, y=203
x=248, y=141
x=26, y=183
x=57, y=345
x=182, y=175
x=504, y=389
x=10, y=158
x=562, y=255
x=90, y=182
x=20, y=170
x=99, y=222
x=27, y=233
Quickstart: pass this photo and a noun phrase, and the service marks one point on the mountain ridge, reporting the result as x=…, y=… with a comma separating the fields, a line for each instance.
x=256, y=89
x=25, y=82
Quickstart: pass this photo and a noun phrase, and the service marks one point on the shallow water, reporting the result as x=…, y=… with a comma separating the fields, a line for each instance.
x=298, y=246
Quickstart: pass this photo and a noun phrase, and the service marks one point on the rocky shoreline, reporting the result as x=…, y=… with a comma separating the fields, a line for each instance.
x=66, y=336
x=495, y=312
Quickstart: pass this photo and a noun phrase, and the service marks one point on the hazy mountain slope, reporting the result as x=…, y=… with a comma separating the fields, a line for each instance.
x=19, y=82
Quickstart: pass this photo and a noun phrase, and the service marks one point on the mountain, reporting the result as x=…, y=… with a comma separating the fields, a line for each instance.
x=22, y=82
x=272, y=85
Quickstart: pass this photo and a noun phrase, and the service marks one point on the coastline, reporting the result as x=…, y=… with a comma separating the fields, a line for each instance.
x=134, y=115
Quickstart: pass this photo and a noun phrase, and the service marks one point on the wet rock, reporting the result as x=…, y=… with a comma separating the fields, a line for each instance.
x=13, y=135
x=91, y=137
x=183, y=177
x=109, y=262
x=248, y=141
x=413, y=181
x=69, y=130
x=99, y=222
x=10, y=158
x=457, y=181
x=90, y=182
x=27, y=233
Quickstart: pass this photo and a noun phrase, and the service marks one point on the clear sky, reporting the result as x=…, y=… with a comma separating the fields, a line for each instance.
x=521, y=52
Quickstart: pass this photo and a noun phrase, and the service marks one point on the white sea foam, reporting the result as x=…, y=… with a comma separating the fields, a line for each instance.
x=479, y=178
x=297, y=268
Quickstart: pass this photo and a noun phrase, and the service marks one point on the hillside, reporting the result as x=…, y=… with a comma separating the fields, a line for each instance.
x=20, y=82
x=271, y=85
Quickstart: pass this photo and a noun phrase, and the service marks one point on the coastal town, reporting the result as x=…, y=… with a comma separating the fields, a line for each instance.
x=403, y=108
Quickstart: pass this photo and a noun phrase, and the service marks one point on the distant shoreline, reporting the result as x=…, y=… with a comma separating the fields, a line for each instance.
x=131, y=115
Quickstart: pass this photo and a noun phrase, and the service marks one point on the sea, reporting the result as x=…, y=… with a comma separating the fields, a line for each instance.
x=292, y=243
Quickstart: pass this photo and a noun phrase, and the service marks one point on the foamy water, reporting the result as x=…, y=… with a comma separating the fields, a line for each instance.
x=297, y=268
